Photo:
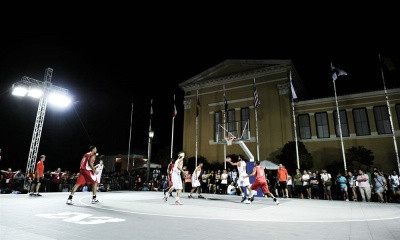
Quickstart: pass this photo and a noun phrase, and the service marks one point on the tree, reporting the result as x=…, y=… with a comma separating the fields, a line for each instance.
x=190, y=163
x=359, y=154
x=288, y=156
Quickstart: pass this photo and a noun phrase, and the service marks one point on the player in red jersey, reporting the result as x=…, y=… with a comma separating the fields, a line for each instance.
x=170, y=169
x=260, y=182
x=39, y=175
x=86, y=174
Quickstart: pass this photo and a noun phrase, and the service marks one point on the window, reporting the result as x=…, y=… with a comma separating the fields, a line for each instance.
x=245, y=122
x=231, y=120
x=343, y=123
x=321, y=121
x=304, y=126
x=382, y=120
x=217, y=126
x=361, y=122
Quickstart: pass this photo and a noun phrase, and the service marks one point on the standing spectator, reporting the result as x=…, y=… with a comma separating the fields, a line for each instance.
x=7, y=179
x=352, y=185
x=342, y=181
x=298, y=184
x=379, y=186
x=224, y=181
x=39, y=174
x=326, y=179
x=283, y=178
x=364, y=186
x=394, y=183
x=290, y=186
x=314, y=183
x=306, y=183
x=55, y=180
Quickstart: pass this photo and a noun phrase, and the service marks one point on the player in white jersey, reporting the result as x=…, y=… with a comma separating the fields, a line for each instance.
x=196, y=182
x=99, y=169
x=176, y=179
x=243, y=181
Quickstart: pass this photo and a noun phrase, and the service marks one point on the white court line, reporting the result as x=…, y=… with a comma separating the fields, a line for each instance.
x=236, y=219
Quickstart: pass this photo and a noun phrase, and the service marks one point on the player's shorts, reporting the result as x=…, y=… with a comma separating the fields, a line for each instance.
x=86, y=177
x=38, y=180
x=243, y=181
x=195, y=183
x=176, y=181
x=263, y=185
x=170, y=181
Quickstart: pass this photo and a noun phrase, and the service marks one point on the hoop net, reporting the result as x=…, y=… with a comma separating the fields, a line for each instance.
x=229, y=140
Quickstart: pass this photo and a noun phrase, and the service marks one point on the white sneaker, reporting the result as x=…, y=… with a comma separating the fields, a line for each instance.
x=276, y=201
x=247, y=201
x=177, y=202
x=69, y=202
x=95, y=200
x=165, y=198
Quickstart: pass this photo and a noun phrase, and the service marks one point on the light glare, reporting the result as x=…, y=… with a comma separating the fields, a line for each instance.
x=35, y=93
x=19, y=91
x=59, y=99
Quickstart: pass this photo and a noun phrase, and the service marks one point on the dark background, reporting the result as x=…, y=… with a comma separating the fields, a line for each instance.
x=108, y=69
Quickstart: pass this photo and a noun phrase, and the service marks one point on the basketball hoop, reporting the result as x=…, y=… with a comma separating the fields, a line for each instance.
x=229, y=140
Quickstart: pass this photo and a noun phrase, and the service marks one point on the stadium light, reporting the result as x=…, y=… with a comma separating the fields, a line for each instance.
x=46, y=92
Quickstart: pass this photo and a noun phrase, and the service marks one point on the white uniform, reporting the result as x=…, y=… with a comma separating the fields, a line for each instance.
x=242, y=181
x=176, y=176
x=99, y=170
x=195, y=178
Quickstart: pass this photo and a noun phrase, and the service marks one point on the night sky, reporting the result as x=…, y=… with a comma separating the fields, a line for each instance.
x=108, y=71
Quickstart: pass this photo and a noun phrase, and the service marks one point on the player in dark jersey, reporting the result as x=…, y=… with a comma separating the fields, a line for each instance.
x=86, y=174
x=260, y=182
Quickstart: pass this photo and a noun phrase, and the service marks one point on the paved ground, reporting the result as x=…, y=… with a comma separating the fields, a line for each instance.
x=143, y=215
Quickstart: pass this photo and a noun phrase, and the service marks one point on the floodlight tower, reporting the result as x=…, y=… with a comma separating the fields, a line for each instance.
x=45, y=91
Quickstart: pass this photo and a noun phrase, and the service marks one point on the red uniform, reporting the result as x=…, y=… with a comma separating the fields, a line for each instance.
x=260, y=181
x=39, y=169
x=86, y=174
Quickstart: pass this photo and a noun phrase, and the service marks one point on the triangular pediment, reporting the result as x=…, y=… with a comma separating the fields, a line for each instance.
x=232, y=69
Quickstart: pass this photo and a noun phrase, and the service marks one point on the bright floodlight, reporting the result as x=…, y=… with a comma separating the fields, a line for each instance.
x=19, y=91
x=35, y=93
x=59, y=99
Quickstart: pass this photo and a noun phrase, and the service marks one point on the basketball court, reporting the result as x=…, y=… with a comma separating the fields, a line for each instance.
x=144, y=215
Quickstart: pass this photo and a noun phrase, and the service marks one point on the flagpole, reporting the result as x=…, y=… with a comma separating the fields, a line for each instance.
x=294, y=125
x=390, y=115
x=340, y=126
x=149, y=143
x=172, y=133
x=257, y=143
x=197, y=126
x=129, y=147
x=224, y=127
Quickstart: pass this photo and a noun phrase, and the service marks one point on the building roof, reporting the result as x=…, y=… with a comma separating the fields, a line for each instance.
x=232, y=70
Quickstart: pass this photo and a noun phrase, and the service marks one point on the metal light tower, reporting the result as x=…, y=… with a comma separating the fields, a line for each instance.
x=45, y=91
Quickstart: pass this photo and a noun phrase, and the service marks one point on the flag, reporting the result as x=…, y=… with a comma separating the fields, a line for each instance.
x=198, y=106
x=257, y=101
x=151, y=107
x=294, y=95
x=225, y=103
x=174, y=112
x=336, y=72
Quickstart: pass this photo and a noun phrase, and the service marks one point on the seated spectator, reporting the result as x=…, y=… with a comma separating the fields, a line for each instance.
x=231, y=190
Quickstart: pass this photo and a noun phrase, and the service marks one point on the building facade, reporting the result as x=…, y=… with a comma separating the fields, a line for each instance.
x=365, y=118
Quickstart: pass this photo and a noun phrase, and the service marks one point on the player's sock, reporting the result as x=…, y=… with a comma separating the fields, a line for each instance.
x=94, y=196
x=70, y=197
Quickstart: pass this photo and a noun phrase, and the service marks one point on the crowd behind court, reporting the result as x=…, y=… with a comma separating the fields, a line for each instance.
x=356, y=185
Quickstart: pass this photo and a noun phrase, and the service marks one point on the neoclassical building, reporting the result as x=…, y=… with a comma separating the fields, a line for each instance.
x=364, y=117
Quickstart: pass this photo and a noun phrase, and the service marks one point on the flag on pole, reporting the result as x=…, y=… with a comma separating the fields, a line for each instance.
x=174, y=112
x=257, y=101
x=151, y=107
x=198, y=106
x=294, y=95
x=225, y=104
x=336, y=72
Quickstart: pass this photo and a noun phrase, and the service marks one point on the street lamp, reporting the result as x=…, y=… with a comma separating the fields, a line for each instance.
x=151, y=135
x=47, y=92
